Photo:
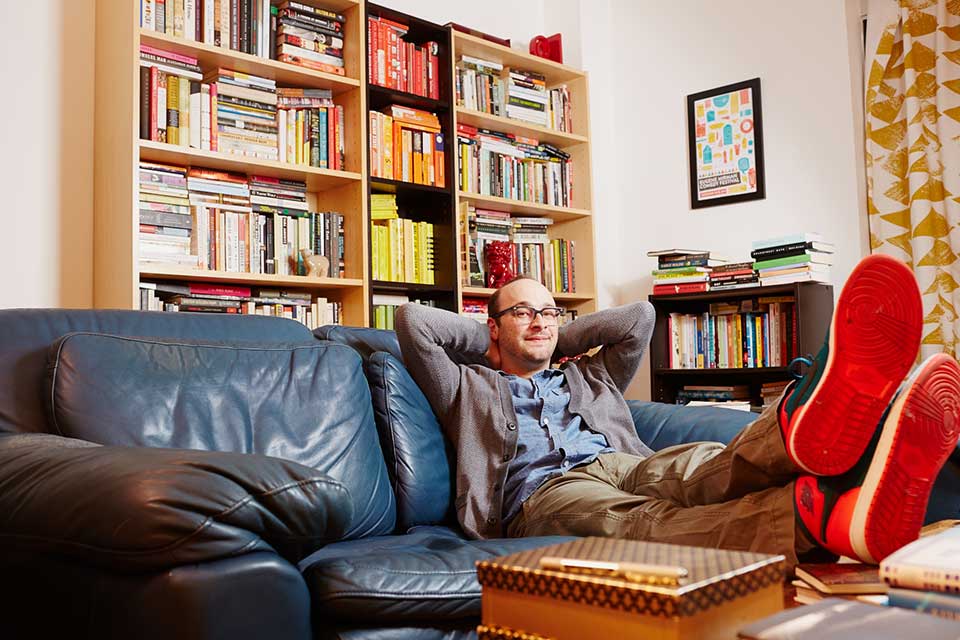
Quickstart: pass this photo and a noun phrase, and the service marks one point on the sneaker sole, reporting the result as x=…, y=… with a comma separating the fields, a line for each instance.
x=874, y=339
x=918, y=436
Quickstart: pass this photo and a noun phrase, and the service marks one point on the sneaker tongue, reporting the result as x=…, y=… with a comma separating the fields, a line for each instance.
x=802, y=391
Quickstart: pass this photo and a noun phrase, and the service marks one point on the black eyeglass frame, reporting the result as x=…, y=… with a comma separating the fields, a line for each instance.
x=560, y=311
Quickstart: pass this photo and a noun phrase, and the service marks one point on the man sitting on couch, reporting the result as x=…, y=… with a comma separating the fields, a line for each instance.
x=845, y=461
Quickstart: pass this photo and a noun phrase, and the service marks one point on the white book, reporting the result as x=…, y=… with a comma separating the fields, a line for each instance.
x=190, y=19
x=209, y=22
x=148, y=18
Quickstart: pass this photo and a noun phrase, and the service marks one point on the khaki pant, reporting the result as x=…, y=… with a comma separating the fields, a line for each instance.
x=700, y=494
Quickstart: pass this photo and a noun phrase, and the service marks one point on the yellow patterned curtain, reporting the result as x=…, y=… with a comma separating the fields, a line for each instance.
x=913, y=155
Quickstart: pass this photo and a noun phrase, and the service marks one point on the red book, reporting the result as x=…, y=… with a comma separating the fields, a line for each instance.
x=673, y=289
x=154, y=81
x=200, y=289
x=332, y=139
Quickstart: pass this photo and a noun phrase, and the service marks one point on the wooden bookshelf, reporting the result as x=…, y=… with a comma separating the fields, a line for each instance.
x=814, y=308
x=421, y=202
x=118, y=150
x=572, y=223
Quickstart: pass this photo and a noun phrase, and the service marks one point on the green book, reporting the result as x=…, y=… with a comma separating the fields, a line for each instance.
x=680, y=271
x=803, y=258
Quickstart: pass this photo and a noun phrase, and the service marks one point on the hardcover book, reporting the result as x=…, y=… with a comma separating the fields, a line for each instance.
x=930, y=563
x=836, y=578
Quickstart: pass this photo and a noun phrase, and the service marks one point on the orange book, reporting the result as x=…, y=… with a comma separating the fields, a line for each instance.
x=397, y=151
x=439, y=161
x=417, y=146
x=415, y=117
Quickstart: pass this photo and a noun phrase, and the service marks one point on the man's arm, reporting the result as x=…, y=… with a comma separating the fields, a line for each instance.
x=623, y=332
x=433, y=341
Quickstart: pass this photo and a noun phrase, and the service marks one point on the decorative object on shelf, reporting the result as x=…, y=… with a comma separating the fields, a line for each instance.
x=317, y=266
x=549, y=47
x=500, y=265
x=725, y=141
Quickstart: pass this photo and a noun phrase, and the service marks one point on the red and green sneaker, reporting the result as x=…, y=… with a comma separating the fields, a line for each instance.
x=879, y=505
x=829, y=415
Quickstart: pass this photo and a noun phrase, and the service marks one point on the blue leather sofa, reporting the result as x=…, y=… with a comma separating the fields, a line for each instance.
x=194, y=476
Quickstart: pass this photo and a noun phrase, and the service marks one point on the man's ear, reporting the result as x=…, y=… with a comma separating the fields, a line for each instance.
x=494, y=329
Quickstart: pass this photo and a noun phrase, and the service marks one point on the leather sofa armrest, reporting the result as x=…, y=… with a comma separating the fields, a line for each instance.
x=662, y=425
x=136, y=509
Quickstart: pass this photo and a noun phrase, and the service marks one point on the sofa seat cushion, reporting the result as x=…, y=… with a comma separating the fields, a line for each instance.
x=426, y=574
x=308, y=403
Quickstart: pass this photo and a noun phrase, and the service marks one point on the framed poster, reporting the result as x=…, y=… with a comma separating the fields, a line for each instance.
x=725, y=135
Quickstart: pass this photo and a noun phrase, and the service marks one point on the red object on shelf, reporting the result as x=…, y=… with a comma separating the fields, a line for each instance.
x=500, y=263
x=549, y=47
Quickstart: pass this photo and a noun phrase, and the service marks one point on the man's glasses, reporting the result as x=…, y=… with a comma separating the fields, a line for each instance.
x=524, y=314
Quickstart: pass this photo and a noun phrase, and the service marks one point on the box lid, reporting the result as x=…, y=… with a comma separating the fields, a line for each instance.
x=714, y=576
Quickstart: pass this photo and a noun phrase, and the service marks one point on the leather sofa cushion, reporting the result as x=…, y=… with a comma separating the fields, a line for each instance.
x=141, y=509
x=413, y=444
x=428, y=574
x=366, y=342
x=307, y=403
x=665, y=425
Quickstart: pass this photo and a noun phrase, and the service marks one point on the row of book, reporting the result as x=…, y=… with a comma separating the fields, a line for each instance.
x=198, y=297
x=293, y=32
x=216, y=220
x=385, y=309
x=401, y=249
x=239, y=113
x=515, y=167
x=551, y=261
x=394, y=63
x=489, y=87
x=475, y=308
x=406, y=144
x=748, y=334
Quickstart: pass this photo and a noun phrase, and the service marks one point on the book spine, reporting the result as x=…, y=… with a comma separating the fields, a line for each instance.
x=939, y=604
x=925, y=578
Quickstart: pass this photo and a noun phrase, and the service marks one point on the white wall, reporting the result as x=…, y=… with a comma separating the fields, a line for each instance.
x=46, y=153
x=665, y=51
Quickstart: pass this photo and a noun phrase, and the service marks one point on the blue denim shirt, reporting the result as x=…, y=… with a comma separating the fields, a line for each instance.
x=550, y=440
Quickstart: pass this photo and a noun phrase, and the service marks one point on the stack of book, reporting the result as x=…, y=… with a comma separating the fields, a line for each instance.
x=925, y=574
x=223, y=221
x=310, y=37
x=400, y=65
x=550, y=261
x=245, y=113
x=311, y=128
x=527, y=96
x=227, y=298
x=166, y=226
x=406, y=145
x=681, y=271
x=795, y=258
x=735, y=275
x=385, y=309
x=714, y=394
x=479, y=86
x=510, y=166
x=475, y=308
x=852, y=581
x=770, y=392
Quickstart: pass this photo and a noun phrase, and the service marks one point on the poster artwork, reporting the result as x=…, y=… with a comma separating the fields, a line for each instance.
x=726, y=159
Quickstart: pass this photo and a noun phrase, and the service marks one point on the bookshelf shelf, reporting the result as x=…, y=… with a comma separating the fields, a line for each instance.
x=385, y=185
x=316, y=179
x=525, y=208
x=211, y=57
x=382, y=96
x=509, y=125
x=408, y=287
x=555, y=72
x=484, y=292
x=807, y=324
x=262, y=279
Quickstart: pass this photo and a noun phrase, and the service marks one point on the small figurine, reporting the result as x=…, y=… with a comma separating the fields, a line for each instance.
x=316, y=266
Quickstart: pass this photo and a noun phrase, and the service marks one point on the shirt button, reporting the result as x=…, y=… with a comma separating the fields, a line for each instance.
x=511, y=426
x=492, y=520
x=506, y=457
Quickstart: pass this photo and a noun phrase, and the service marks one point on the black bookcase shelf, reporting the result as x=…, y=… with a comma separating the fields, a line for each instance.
x=814, y=304
x=415, y=201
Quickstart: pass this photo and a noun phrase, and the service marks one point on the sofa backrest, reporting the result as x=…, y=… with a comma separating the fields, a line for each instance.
x=26, y=336
x=419, y=460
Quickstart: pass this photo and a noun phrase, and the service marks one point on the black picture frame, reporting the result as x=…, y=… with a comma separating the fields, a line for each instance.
x=709, y=182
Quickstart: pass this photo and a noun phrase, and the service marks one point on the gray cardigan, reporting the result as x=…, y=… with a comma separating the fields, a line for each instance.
x=444, y=353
